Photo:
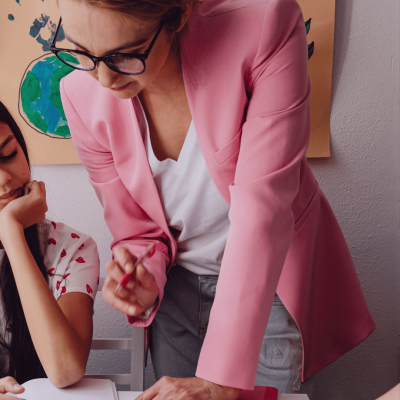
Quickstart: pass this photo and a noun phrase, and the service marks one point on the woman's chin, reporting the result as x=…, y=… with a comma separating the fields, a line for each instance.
x=127, y=93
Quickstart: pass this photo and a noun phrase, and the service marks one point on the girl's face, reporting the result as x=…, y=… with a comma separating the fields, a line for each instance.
x=101, y=32
x=14, y=169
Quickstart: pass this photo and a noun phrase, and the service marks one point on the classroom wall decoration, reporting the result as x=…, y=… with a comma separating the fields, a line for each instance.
x=31, y=90
x=320, y=17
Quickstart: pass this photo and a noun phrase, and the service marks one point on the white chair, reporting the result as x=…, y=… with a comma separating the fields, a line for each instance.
x=136, y=345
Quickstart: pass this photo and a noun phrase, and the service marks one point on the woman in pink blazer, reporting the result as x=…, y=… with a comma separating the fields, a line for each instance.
x=240, y=73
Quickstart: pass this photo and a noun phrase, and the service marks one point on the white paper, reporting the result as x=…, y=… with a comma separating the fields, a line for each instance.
x=128, y=395
x=85, y=389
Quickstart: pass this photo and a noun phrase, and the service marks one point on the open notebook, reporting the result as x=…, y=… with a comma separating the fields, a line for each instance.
x=104, y=389
x=85, y=389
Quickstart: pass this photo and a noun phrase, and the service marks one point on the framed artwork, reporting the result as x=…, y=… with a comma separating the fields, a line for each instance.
x=31, y=91
x=31, y=87
x=321, y=18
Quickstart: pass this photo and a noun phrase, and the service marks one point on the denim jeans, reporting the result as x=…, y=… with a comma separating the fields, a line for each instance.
x=179, y=328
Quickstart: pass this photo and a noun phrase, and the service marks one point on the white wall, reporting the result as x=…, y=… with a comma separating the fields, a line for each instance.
x=361, y=180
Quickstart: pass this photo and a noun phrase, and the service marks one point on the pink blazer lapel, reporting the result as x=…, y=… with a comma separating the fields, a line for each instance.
x=131, y=162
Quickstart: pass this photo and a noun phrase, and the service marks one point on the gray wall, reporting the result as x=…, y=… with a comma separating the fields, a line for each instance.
x=361, y=180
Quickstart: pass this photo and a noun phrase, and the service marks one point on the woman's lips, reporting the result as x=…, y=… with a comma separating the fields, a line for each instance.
x=118, y=89
x=10, y=196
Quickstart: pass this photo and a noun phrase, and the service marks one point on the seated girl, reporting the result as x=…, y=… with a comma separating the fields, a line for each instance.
x=49, y=275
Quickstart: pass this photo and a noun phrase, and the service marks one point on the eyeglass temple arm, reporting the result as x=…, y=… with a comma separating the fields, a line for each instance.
x=53, y=44
x=154, y=39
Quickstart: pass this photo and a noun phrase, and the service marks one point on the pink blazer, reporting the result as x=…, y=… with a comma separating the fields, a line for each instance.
x=246, y=78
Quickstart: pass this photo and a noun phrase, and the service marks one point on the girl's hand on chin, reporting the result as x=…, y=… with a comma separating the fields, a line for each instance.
x=10, y=385
x=28, y=209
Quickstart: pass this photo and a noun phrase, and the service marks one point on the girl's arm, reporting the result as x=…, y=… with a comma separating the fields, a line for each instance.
x=61, y=331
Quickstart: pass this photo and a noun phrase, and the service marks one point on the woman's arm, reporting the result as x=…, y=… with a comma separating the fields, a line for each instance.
x=130, y=225
x=61, y=331
x=274, y=140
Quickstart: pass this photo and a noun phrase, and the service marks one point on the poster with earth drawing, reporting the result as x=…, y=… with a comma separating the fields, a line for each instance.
x=30, y=75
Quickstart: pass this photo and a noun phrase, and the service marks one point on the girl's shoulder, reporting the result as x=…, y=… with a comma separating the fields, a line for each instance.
x=71, y=259
x=57, y=230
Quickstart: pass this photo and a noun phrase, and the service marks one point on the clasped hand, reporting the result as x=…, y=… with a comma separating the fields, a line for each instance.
x=26, y=210
x=139, y=294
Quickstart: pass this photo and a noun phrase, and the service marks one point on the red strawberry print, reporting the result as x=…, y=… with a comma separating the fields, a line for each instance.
x=54, y=224
x=89, y=289
x=80, y=260
x=58, y=285
x=98, y=280
x=52, y=241
x=81, y=246
x=50, y=272
x=65, y=276
x=75, y=236
x=63, y=290
x=63, y=253
x=9, y=328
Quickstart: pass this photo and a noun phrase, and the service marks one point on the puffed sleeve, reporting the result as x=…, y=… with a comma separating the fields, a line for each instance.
x=129, y=225
x=72, y=261
x=274, y=140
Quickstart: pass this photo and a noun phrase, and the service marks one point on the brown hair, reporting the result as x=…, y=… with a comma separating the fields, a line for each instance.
x=170, y=11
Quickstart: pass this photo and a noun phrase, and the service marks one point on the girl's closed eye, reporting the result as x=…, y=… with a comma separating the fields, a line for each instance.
x=9, y=157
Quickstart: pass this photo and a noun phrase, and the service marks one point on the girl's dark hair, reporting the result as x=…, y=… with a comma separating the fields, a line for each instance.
x=24, y=362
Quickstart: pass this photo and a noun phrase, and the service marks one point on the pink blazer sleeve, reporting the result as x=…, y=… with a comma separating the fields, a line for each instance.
x=128, y=223
x=274, y=140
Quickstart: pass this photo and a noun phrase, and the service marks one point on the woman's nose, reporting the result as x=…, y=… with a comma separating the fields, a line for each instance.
x=106, y=76
x=5, y=176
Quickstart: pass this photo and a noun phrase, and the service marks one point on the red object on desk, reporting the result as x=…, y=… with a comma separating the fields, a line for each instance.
x=259, y=393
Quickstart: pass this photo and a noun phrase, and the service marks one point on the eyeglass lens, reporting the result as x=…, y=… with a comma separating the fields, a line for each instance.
x=128, y=65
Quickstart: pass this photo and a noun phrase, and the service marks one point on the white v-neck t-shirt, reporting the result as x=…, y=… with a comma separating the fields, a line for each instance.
x=196, y=213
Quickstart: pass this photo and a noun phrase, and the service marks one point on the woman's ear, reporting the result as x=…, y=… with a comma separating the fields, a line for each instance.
x=187, y=10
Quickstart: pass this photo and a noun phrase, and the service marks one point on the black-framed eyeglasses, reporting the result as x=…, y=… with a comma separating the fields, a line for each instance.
x=123, y=63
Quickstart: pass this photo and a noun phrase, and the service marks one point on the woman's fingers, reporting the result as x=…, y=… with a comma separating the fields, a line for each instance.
x=146, y=290
x=144, y=277
x=9, y=384
x=116, y=273
x=123, y=301
x=122, y=293
x=168, y=388
x=141, y=291
x=124, y=258
x=150, y=393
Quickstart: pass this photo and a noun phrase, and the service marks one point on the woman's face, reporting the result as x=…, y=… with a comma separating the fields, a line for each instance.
x=14, y=169
x=101, y=32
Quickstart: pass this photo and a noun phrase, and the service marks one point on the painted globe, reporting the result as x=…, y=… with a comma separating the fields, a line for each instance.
x=39, y=98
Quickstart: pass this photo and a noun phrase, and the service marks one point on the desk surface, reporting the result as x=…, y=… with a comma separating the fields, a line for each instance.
x=133, y=395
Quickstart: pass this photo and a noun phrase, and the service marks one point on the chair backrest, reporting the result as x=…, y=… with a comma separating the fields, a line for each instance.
x=136, y=345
